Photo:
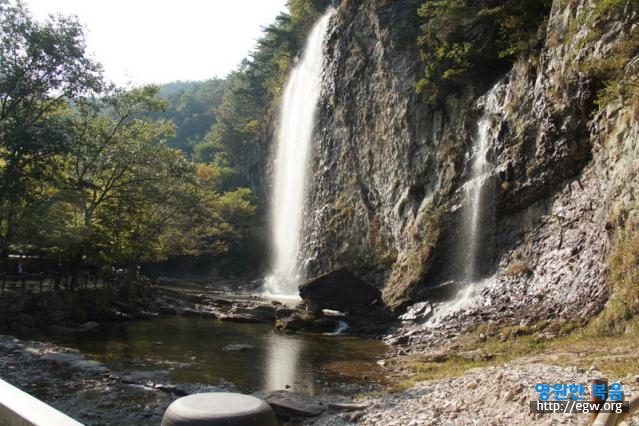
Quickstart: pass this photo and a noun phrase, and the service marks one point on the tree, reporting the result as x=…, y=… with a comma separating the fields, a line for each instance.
x=42, y=67
x=123, y=177
x=192, y=106
x=114, y=146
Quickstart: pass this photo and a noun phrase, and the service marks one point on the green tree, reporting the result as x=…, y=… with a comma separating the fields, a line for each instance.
x=114, y=146
x=138, y=223
x=122, y=176
x=42, y=66
x=192, y=106
x=252, y=93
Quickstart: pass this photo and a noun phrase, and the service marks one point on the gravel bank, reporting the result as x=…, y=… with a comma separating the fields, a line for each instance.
x=483, y=396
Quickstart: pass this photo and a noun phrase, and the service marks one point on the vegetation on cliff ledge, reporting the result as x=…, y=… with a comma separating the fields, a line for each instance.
x=463, y=42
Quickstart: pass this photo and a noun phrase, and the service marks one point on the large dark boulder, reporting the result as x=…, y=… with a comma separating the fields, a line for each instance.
x=339, y=290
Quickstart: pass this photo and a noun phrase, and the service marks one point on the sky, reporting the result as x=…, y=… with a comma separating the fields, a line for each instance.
x=159, y=41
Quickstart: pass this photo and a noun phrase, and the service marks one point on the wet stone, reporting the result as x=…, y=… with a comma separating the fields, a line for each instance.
x=238, y=347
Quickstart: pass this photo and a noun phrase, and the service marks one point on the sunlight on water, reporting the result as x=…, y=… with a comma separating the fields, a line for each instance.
x=295, y=132
x=191, y=350
x=282, y=359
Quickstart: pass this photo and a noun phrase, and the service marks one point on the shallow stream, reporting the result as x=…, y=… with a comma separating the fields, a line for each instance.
x=191, y=350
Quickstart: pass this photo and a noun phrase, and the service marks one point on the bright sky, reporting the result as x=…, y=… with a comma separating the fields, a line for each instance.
x=158, y=41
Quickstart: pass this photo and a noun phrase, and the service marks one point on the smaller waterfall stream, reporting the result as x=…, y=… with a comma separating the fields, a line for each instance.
x=474, y=209
x=474, y=188
x=294, y=134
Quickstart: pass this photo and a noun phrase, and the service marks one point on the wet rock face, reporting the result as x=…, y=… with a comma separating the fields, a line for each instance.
x=387, y=172
x=379, y=157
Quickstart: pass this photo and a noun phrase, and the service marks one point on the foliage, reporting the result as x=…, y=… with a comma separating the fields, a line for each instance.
x=86, y=171
x=192, y=106
x=517, y=268
x=622, y=308
x=465, y=40
x=617, y=68
x=43, y=65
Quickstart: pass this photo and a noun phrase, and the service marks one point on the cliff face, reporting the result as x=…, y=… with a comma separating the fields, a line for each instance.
x=385, y=194
x=377, y=162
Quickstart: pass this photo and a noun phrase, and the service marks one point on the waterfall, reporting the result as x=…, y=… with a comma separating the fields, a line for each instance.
x=474, y=191
x=294, y=134
x=474, y=188
x=341, y=327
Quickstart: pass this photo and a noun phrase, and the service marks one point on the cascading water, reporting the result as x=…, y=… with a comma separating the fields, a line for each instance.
x=474, y=187
x=295, y=131
x=474, y=194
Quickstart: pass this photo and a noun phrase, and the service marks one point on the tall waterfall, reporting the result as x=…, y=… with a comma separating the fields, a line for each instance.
x=294, y=134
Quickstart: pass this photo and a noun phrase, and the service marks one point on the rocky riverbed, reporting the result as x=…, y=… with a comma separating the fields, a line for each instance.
x=83, y=389
x=105, y=393
x=497, y=395
x=97, y=394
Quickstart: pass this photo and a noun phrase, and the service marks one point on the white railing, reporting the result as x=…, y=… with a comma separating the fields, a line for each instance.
x=18, y=408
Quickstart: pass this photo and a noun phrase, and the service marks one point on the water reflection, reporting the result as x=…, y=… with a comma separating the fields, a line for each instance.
x=190, y=350
x=282, y=362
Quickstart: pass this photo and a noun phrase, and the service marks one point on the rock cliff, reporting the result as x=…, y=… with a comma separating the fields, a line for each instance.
x=387, y=171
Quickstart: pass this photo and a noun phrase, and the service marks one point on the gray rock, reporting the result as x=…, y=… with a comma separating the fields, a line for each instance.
x=144, y=377
x=293, y=322
x=238, y=347
x=339, y=290
x=420, y=311
x=290, y=404
x=89, y=366
x=61, y=357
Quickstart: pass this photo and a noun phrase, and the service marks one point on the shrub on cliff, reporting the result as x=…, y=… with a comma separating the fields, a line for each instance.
x=468, y=41
x=622, y=308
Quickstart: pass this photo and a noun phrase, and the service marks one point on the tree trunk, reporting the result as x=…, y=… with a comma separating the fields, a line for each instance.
x=130, y=277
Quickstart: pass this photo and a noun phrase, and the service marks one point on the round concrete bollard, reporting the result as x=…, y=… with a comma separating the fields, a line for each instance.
x=219, y=408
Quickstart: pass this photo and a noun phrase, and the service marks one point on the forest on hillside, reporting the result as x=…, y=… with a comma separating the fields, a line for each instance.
x=96, y=176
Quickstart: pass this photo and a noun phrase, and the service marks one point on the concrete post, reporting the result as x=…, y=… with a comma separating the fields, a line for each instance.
x=219, y=408
x=598, y=381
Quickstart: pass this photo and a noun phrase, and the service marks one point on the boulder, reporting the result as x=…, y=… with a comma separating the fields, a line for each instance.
x=339, y=290
x=261, y=313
